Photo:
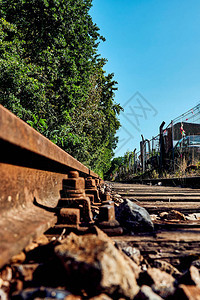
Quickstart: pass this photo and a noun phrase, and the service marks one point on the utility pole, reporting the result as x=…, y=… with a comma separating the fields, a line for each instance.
x=143, y=154
x=134, y=165
x=172, y=125
x=162, y=149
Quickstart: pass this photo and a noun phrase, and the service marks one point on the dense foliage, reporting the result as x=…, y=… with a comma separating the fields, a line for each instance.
x=116, y=163
x=52, y=77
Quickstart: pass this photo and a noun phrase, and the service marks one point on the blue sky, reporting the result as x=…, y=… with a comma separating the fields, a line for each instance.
x=152, y=47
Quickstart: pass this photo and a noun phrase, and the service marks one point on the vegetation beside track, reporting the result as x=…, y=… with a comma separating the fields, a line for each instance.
x=52, y=76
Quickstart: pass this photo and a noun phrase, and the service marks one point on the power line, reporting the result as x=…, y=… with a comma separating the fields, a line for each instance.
x=191, y=111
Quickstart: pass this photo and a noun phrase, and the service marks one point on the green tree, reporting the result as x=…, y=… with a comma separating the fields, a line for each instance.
x=52, y=76
x=116, y=163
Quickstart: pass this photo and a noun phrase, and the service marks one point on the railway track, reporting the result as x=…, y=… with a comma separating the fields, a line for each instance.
x=42, y=187
x=33, y=172
x=173, y=240
x=155, y=198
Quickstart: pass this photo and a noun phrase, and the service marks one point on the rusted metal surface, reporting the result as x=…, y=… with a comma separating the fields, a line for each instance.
x=19, y=226
x=106, y=219
x=22, y=191
x=190, y=292
x=74, y=206
x=14, y=131
x=91, y=190
x=21, y=185
x=33, y=173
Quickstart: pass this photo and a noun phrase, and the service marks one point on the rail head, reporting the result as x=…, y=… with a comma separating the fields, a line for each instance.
x=16, y=132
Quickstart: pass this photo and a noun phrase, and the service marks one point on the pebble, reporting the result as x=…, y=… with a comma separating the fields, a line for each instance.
x=91, y=259
x=186, y=292
x=133, y=218
x=191, y=277
x=131, y=252
x=172, y=215
x=101, y=297
x=146, y=293
x=167, y=267
x=19, y=258
x=161, y=282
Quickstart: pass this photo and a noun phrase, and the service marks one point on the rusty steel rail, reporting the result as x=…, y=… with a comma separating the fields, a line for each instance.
x=31, y=180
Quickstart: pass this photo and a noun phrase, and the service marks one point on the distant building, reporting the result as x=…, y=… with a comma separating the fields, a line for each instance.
x=189, y=128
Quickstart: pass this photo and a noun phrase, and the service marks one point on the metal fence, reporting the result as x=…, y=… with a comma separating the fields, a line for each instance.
x=175, y=150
